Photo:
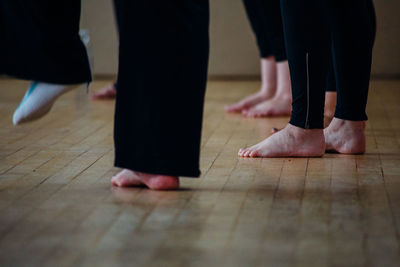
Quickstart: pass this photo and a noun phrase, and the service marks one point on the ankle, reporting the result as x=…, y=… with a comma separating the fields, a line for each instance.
x=284, y=96
x=298, y=132
x=348, y=124
x=267, y=90
x=329, y=114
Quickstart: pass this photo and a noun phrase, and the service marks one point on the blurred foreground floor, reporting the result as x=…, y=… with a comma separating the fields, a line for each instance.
x=57, y=207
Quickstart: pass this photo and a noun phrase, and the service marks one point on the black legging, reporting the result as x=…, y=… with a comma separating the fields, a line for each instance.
x=315, y=29
x=266, y=22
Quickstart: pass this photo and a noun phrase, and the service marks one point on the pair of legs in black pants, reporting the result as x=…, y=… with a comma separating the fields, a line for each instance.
x=317, y=31
x=350, y=27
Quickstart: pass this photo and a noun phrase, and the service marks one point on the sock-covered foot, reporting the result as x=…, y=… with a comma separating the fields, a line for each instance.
x=346, y=137
x=128, y=178
x=106, y=93
x=291, y=141
x=38, y=100
x=277, y=106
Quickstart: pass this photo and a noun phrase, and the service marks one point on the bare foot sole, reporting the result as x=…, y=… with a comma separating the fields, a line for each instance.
x=128, y=178
x=108, y=92
x=291, y=141
x=277, y=106
x=248, y=102
x=345, y=137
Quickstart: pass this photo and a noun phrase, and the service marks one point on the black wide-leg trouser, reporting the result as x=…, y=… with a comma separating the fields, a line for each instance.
x=163, y=60
x=315, y=29
x=266, y=21
x=39, y=40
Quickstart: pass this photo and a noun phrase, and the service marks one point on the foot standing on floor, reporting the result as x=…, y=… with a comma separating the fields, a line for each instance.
x=108, y=92
x=315, y=32
x=273, y=98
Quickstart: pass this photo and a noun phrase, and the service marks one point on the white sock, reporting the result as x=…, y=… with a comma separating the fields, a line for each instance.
x=38, y=100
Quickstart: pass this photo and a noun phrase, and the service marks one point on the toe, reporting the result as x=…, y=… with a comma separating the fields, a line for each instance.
x=242, y=151
x=115, y=181
x=253, y=154
x=228, y=108
x=234, y=108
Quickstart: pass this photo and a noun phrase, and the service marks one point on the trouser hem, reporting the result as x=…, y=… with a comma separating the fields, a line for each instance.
x=68, y=80
x=350, y=117
x=302, y=124
x=160, y=167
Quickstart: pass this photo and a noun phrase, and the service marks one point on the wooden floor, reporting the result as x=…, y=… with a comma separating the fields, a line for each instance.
x=57, y=207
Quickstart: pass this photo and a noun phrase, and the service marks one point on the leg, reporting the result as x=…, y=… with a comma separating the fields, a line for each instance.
x=307, y=43
x=110, y=91
x=267, y=91
x=280, y=104
x=40, y=42
x=330, y=96
x=353, y=33
x=161, y=91
x=266, y=22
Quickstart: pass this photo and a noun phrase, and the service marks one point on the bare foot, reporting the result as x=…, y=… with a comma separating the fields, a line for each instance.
x=277, y=106
x=268, y=87
x=108, y=92
x=291, y=141
x=128, y=178
x=281, y=103
x=346, y=137
x=247, y=102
